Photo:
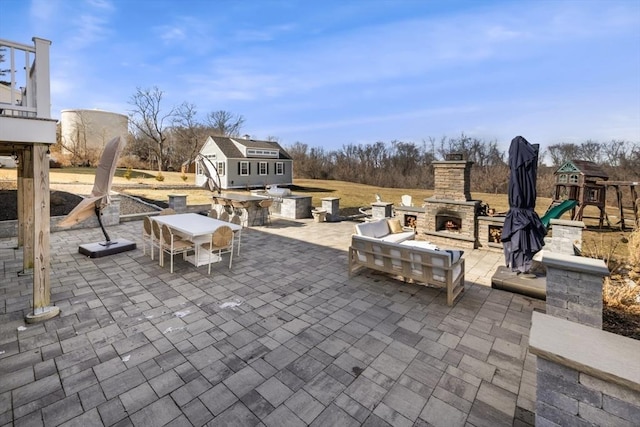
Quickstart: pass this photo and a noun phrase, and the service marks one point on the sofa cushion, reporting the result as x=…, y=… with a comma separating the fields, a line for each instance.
x=398, y=237
x=395, y=226
x=376, y=229
x=379, y=228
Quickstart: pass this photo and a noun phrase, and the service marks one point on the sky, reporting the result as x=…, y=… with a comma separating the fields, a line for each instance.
x=331, y=73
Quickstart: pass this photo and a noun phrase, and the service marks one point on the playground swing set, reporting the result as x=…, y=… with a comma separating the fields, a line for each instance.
x=580, y=183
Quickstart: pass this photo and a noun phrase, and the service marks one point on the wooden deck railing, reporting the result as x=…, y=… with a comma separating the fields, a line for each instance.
x=24, y=79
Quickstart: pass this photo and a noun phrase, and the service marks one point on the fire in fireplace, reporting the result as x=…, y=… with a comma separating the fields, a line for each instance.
x=448, y=223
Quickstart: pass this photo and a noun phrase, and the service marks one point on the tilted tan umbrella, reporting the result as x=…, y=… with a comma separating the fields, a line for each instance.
x=99, y=197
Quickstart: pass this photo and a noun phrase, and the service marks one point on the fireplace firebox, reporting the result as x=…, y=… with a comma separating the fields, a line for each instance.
x=411, y=221
x=448, y=222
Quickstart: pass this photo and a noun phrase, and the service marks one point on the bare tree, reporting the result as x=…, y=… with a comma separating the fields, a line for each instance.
x=188, y=134
x=150, y=122
x=591, y=151
x=225, y=123
x=562, y=153
x=76, y=146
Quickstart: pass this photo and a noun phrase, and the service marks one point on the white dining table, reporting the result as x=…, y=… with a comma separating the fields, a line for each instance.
x=197, y=228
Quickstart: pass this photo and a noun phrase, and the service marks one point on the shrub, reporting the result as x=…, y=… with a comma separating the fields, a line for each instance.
x=127, y=174
x=605, y=251
x=160, y=177
x=184, y=177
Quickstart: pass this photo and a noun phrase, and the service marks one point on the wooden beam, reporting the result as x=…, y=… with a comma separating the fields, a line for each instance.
x=42, y=309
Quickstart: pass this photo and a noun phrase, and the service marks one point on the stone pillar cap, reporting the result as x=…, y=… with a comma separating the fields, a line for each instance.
x=575, y=263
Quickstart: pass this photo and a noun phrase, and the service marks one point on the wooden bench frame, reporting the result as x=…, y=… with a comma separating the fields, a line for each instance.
x=409, y=262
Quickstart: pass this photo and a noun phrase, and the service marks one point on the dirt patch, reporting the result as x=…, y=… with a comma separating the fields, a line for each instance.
x=61, y=203
x=621, y=322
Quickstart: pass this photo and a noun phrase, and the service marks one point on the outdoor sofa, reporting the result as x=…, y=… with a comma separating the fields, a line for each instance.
x=412, y=260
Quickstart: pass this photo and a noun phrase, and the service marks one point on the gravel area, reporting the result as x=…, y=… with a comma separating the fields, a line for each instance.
x=131, y=205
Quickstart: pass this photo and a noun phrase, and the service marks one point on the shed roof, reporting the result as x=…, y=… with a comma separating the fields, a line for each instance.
x=584, y=167
x=230, y=149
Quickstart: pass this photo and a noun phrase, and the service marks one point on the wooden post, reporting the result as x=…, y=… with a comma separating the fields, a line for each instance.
x=41, y=228
x=25, y=215
x=620, y=207
x=20, y=194
x=635, y=203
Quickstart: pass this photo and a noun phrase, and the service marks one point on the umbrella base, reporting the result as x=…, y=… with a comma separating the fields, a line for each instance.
x=526, y=284
x=100, y=249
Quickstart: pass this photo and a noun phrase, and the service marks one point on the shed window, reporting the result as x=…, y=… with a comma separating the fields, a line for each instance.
x=279, y=168
x=573, y=179
x=562, y=178
x=221, y=168
x=244, y=168
x=263, y=169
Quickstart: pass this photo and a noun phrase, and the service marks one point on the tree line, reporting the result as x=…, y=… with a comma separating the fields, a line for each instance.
x=401, y=164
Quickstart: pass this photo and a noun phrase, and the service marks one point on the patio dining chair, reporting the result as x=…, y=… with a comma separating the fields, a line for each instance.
x=238, y=234
x=213, y=214
x=147, y=236
x=173, y=245
x=156, y=239
x=224, y=216
x=242, y=209
x=221, y=243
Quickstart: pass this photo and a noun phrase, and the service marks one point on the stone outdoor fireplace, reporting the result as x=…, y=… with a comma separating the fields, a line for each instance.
x=450, y=215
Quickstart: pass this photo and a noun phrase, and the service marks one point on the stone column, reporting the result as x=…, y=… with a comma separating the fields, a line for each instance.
x=565, y=235
x=574, y=287
x=332, y=206
x=381, y=210
x=178, y=202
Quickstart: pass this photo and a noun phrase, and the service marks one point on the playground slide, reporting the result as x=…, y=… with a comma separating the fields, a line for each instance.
x=556, y=212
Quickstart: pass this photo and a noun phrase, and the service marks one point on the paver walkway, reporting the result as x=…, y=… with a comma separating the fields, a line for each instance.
x=283, y=339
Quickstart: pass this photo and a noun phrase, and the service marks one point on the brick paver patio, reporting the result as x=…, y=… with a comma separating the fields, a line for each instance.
x=283, y=339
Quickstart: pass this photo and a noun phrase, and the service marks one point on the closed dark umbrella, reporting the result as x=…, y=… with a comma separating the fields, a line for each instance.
x=523, y=232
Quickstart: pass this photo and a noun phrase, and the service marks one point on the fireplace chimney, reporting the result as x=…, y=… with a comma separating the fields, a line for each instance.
x=452, y=180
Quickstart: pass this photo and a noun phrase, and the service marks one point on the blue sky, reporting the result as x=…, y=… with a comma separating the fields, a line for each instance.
x=329, y=73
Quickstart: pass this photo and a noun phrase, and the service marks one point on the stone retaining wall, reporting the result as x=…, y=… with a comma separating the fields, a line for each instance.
x=585, y=376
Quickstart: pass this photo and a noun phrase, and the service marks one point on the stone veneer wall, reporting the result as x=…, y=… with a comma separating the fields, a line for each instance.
x=294, y=207
x=585, y=376
x=452, y=180
x=484, y=222
x=565, y=235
